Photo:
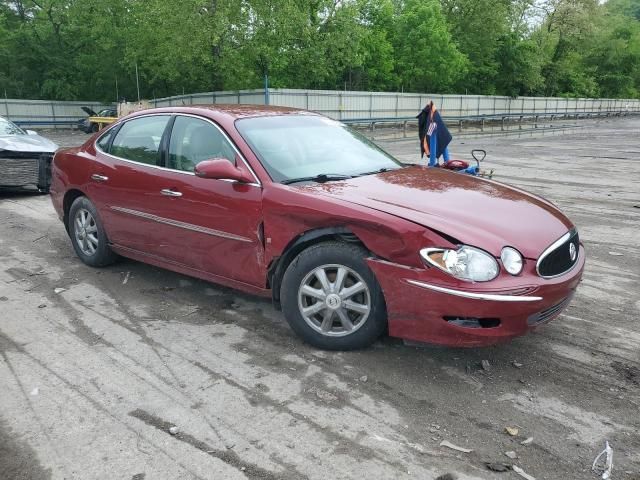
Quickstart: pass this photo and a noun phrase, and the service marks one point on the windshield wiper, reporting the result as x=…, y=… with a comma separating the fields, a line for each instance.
x=321, y=178
x=380, y=170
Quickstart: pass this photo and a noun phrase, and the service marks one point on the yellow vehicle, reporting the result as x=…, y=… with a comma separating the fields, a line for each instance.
x=97, y=121
x=100, y=122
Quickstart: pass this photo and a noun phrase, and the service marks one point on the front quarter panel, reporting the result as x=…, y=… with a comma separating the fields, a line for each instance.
x=290, y=212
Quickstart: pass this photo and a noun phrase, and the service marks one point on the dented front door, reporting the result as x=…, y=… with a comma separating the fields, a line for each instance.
x=212, y=226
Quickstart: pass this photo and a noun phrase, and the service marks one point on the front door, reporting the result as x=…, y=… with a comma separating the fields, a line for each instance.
x=207, y=224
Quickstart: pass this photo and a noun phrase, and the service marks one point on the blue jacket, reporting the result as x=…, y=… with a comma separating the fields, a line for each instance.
x=441, y=131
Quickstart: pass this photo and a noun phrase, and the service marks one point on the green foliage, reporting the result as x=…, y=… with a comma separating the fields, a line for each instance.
x=613, y=55
x=89, y=49
x=479, y=27
x=519, y=66
x=627, y=8
x=427, y=59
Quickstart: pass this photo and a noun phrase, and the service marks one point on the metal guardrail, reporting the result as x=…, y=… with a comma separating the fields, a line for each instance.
x=346, y=106
x=46, y=113
x=41, y=123
x=502, y=117
x=397, y=120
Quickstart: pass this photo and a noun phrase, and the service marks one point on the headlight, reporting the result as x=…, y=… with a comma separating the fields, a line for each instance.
x=466, y=263
x=512, y=260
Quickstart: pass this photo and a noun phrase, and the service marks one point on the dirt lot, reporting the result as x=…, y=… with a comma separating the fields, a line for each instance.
x=93, y=377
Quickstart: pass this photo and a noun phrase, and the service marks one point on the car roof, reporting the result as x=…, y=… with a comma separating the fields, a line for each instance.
x=230, y=111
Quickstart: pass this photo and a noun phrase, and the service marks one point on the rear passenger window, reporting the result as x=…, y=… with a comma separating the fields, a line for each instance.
x=139, y=139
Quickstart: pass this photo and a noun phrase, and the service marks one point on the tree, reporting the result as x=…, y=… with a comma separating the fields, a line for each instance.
x=519, y=67
x=613, y=53
x=427, y=59
x=478, y=27
x=82, y=49
x=376, y=59
x=566, y=26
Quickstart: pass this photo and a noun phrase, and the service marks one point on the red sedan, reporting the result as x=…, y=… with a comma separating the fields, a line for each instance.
x=348, y=241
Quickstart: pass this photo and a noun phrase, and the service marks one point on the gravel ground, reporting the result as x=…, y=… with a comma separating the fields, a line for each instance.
x=94, y=376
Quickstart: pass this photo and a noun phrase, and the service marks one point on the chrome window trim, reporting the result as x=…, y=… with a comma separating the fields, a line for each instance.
x=183, y=225
x=476, y=296
x=551, y=248
x=257, y=182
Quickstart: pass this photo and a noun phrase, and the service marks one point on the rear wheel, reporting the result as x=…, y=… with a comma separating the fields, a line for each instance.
x=87, y=234
x=331, y=298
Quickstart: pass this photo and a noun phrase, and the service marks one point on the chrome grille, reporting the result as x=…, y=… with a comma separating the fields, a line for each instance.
x=557, y=259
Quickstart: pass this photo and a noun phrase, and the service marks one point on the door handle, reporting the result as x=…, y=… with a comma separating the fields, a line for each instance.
x=170, y=193
x=99, y=178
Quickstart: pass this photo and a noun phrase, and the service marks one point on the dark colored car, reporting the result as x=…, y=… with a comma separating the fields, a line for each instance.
x=295, y=206
x=87, y=126
x=25, y=157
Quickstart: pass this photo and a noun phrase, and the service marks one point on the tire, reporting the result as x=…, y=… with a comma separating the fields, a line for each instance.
x=93, y=128
x=315, y=308
x=91, y=243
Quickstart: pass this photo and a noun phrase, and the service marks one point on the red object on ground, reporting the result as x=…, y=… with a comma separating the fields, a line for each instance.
x=231, y=233
x=455, y=165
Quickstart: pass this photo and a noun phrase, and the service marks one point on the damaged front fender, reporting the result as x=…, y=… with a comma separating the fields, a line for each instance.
x=295, y=219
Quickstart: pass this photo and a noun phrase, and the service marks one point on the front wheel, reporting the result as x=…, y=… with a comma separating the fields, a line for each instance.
x=332, y=299
x=87, y=234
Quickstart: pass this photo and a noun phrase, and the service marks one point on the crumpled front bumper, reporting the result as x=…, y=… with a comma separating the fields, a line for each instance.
x=18, y=169
x=427, y=305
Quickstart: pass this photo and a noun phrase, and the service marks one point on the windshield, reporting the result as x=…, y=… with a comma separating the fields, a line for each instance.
x=9, y=128
x=300, y=146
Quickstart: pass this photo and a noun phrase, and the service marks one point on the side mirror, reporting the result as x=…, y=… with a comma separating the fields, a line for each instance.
x=31, y=132
x=222, y=169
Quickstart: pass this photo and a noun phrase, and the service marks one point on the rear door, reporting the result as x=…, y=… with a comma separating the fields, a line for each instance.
x=127, y=181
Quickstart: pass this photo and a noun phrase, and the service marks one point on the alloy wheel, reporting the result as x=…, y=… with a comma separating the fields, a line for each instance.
x=86, y=232
x=334, y=300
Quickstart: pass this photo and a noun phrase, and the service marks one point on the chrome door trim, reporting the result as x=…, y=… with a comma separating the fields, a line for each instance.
x=183, y=225
x=257, y=182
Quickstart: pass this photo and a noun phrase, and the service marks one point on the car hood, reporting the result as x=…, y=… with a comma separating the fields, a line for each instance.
x=89, y=111
x=27, y=143
x=472, y=210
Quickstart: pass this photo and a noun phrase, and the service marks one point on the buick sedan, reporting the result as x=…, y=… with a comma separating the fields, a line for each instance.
x=345, y=239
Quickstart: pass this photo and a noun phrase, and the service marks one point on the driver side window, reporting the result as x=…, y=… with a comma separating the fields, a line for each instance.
x=194, y=140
